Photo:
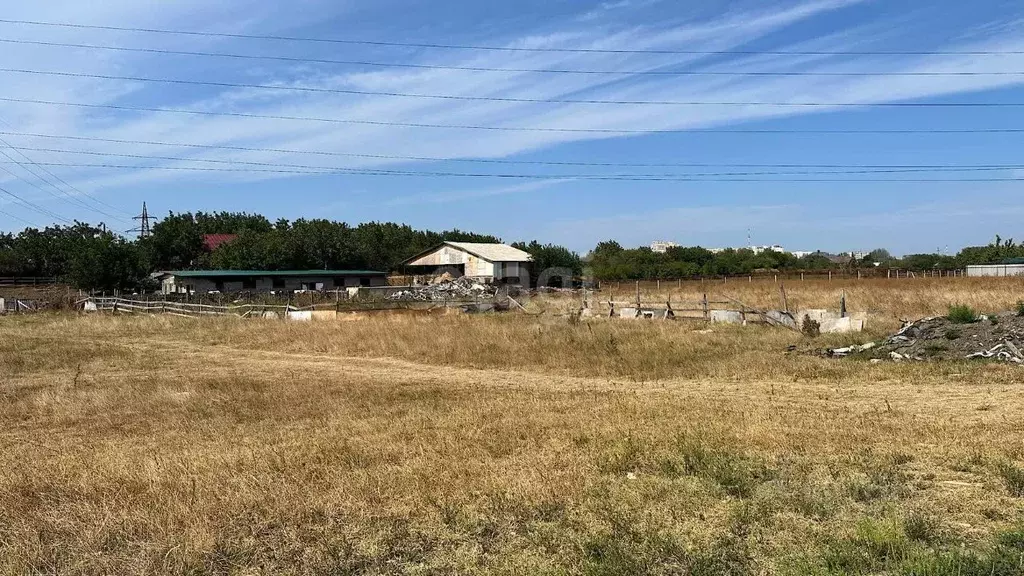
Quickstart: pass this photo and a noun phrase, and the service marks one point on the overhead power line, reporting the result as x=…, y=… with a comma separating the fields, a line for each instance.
x=31, y=205
x=699, y=177
x=420, y=66
x=61, y=194
x=512, y=99
x=871, y=167
x=19, y=219
x=512, y=128
x=63, y=198
x=514, y=48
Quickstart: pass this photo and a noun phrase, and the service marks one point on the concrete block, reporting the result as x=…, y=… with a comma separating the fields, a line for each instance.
x=842, y=326
x=325, y=315
x=300, y=315
x=783, y=318
x=727, y=317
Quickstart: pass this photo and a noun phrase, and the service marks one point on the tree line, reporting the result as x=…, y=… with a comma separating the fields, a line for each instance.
x=93, y=258
x=610, y=261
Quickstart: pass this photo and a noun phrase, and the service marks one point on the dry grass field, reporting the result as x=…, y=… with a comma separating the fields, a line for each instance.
x=506, y=444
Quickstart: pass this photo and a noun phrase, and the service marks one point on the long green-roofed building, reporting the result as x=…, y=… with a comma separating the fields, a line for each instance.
x=205, y=281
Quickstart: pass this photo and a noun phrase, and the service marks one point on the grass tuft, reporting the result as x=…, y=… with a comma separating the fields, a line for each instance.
x=1013, y=478
x=962, y=314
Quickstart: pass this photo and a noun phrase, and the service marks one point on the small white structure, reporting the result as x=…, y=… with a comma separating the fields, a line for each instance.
x=763, y=249
x=479, y=261
x=662, y=247
x=1000, y=270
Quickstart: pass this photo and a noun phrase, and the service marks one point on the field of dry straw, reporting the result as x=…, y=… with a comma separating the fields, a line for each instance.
x=508, y=444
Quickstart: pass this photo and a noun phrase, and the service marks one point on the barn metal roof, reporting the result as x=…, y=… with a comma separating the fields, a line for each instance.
x=493, y=252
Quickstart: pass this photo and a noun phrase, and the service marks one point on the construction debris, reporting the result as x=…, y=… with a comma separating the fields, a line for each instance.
x=998, y=338
x=455, y=289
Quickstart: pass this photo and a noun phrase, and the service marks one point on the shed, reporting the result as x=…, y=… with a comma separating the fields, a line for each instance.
x=1009, y=269
x=202, y=281
x=480, y=261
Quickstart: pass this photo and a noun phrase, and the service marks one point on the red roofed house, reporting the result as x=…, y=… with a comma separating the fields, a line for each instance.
x=213, y=241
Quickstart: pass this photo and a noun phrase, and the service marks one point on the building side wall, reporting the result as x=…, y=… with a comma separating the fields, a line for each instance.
x=999, y=270
x=182, y=285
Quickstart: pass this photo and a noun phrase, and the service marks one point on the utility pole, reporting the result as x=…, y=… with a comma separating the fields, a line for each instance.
x=144, y=230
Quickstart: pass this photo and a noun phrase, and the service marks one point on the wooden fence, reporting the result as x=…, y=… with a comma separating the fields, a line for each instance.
x=120, y=305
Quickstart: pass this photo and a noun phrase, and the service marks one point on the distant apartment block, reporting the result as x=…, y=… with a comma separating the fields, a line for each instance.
x=762, y=249
x=662, y=247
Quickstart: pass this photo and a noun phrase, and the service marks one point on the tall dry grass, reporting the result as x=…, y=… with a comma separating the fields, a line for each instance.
x=493, y=445
x=900, y=298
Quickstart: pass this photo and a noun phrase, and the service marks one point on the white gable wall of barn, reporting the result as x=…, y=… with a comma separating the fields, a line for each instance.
x=451, y=256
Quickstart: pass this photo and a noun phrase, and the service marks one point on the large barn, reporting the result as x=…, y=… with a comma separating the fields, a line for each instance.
x=482, y=262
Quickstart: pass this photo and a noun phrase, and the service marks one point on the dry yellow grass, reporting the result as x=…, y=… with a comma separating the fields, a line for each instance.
x=903, y=298
x=496, y=445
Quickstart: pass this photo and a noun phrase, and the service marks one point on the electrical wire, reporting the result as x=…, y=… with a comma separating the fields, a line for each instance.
x=514, y=48
x=858, y=167
x=125, y=108
x=512, y=99
x=700, y=177
x=31, y=205
x=377, y=64
x=63, y=195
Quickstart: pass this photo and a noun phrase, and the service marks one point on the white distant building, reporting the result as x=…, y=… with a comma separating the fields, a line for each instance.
x=859, y=255
x=761, y=249
x=662, y=247
x=802, y=253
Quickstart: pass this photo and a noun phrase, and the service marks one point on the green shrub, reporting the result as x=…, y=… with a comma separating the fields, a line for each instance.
x=1013, y=477
x=953, y=334
x=810, y=328
x=1020, y=308
x=962, y=314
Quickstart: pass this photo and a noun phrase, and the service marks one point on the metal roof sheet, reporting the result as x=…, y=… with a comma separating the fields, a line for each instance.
x=493, y=252
x=213, y=241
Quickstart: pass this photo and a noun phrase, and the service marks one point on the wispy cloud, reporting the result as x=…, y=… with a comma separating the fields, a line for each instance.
x=725, y=32
x=474, y=194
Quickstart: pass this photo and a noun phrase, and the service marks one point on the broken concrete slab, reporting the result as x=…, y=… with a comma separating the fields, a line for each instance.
x=727, y=317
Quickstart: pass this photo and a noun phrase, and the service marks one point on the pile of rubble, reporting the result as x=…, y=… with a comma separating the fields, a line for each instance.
x=991, y=337
x=447, y=290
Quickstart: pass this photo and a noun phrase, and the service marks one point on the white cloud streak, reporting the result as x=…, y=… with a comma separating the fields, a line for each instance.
x=730, y=31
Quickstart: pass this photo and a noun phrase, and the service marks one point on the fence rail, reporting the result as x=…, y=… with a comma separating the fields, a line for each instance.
x=120, y=305
x=26, y=281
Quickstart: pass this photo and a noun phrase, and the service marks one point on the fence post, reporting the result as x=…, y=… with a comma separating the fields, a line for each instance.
x=707, y=315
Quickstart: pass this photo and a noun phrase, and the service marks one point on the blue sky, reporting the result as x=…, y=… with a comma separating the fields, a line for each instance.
x=904, y=216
